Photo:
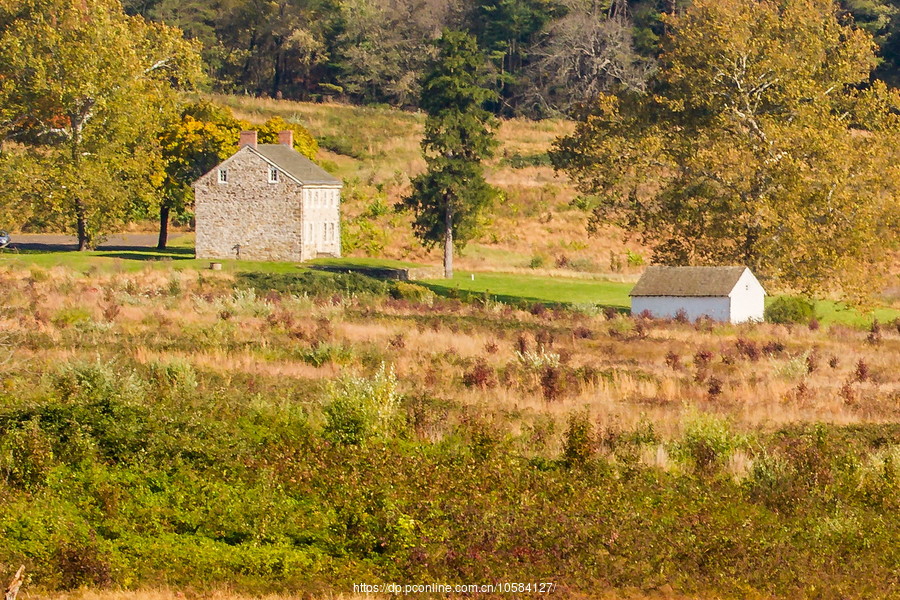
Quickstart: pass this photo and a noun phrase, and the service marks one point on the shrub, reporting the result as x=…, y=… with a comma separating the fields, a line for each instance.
x=673, y=361
x=175, y=376
x=358, y=408
x=66, y=317
x=314, y=283
x=634, y=259
x=241, y=301
x=790, y=309
x=89, y=382
x=538, y=360
x=772, y=482
x=26, y=454
x=861, y=373
x=879, y=478
x=707, y=443
x=410, y=291
x=537, y=261
x=579, y=443
x=582, y=333
x=748, y=349
x=552, y=382
x=322, y=352
x=702, y=358
x=481, y=375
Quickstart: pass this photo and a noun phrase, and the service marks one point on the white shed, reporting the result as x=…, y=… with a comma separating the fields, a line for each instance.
x=729, y=294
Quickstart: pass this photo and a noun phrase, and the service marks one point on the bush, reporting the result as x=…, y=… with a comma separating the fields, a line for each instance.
x=579, y=445
x=537, y=261
x=707, y=443
x=410, y=291
x=790, y=309
x=359, y=408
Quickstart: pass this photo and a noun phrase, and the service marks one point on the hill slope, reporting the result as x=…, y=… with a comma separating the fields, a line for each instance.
x=376, y=150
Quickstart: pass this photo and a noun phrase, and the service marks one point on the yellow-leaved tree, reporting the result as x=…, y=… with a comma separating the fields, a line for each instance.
x=760, y=141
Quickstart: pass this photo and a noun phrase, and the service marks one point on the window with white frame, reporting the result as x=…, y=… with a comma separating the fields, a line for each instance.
x=273, y=175
x=223, y=175
x=331, y=232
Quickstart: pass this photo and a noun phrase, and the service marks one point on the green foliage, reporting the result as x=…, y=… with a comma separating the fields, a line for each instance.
x=86, y=96
x=191, y=145
x=314, y=283
x=790, y=309
x=782, y=165
x=449, y=197
x=707, y=443
x=104, y=486
x=518, y=161
x=304, y=142
x=358, y=408
x=410, y=291
x=579, y=445
x=538, y=261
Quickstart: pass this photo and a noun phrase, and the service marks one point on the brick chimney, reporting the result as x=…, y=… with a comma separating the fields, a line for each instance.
x=286, y=138
x=248, y=138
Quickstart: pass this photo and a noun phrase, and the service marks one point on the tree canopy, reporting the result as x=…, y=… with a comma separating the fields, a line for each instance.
x=85, y=88
x=760, y=142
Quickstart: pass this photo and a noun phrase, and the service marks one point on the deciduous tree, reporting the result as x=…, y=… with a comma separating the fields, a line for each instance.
x=760, y=142
x=88, y=86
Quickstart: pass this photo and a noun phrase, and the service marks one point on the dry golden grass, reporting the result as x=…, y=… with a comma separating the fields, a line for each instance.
x=814, y=379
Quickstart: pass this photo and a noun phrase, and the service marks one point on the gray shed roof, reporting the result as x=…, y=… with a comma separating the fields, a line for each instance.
x=296, y=165
x=687, y=281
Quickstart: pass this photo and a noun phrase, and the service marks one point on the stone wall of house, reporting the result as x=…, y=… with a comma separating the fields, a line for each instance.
x=251, y=218
x=246, y=216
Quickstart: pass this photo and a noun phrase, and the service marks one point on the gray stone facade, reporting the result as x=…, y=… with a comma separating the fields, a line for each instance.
x=255, y=206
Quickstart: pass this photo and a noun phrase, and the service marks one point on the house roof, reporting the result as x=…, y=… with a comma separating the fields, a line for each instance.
x=296, y=165
x=688, y=281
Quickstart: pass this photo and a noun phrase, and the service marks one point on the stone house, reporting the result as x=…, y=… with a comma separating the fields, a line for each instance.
x=728, y=294
x=267, y=202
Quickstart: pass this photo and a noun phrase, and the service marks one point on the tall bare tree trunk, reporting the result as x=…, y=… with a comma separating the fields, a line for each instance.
x=448, y=244
x=163, y=226
x=13, y=589
x=84, y=239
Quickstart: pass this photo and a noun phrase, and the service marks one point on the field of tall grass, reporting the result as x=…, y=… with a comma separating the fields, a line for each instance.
x=299, y=433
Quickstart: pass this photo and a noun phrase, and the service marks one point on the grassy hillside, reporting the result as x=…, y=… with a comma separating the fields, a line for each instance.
x=302, y=433
x=534, y=227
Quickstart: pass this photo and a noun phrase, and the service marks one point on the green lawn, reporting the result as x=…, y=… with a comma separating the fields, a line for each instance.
x=533, y=288
x=135, y=260
x=364, y=263
x=828, y=311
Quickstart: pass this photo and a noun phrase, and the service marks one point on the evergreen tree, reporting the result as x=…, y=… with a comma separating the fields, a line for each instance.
x=449, y=197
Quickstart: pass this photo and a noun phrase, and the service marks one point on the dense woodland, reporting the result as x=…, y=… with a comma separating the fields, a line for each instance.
x=547, y=54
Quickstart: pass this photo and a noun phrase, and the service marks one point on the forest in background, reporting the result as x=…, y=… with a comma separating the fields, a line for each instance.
x=548, y=55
